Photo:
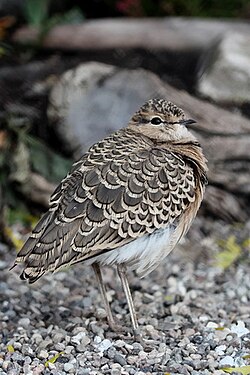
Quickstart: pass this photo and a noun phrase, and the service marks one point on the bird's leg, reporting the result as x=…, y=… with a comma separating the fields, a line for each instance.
x=122, y=274
x=102, y=288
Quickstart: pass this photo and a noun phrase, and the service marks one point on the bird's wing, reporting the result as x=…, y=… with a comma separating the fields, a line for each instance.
x=116, y=193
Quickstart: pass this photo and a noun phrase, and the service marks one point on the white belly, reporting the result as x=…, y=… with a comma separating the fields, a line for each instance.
x=144, y=253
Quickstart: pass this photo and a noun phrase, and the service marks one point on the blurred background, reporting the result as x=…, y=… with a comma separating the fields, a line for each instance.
x=73, y=71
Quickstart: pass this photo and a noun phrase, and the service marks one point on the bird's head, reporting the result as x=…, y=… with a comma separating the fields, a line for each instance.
x=161, y=121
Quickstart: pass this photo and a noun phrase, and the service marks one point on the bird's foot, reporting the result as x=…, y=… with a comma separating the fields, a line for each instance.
x=137, y=335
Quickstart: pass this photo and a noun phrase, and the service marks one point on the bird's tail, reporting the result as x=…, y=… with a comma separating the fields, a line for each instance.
x=47, y=249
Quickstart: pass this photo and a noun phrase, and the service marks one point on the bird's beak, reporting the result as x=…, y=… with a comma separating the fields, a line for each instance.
x=187, y=122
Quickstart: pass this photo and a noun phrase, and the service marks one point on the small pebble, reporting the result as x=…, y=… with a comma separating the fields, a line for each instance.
x=43, y=354
x=198, y=331
x=104, y=345
x=77, y=338
x=101, y=313
x=68, y=366
x=120, y=359
x=24, y=322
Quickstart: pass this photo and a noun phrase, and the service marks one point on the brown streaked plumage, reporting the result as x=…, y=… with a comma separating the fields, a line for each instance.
x=126, y=202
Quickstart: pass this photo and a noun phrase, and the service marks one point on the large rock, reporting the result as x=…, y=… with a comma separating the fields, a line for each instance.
x=95, y=99
x=225, y=69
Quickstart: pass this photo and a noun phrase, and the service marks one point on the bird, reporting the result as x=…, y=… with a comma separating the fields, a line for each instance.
x=125, y=203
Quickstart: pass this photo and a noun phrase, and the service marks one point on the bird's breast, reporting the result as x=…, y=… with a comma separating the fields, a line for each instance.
x=144, y=253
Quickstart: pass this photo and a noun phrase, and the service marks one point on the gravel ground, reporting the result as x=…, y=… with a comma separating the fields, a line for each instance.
x=194, y=317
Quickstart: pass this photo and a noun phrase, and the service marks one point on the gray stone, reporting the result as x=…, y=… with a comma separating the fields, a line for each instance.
x=104, y=345
x=120, y=359
x=82, y=346
x=77, y=338
x=3, y=265
x=46, y=343
x=78, y=330
x=81, y=359
x=43, y=354
x=69, y=349
x=27, y=350
x=101, y=313
x=68, y=367
x=120, y=343
x=58, y=337
x=85, y=340
x=224, y=73
x=83, y=371
x=24, y=322
x=85, y=96
x=115, y=371
x=60, y=347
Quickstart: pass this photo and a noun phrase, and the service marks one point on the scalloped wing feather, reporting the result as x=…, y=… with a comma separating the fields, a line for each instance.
x=123, y=188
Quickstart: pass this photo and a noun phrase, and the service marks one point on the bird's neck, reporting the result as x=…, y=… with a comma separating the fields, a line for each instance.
x=191, y=151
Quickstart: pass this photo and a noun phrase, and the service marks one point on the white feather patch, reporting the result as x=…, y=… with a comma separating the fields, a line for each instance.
x=142, y=254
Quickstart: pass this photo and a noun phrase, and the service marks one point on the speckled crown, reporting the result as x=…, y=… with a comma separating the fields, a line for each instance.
x=161, y=106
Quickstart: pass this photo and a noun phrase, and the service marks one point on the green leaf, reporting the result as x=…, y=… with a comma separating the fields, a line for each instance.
x=244, y=370
x=2, y=51
x=36, y=12
x=17, y=215
x=46, y=162
x=10, y=348
x=246, y=243
x=73, y=16
x=16, y=242
x=53, y=359
x=230, y=253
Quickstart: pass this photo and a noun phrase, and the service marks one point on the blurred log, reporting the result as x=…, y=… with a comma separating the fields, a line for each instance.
x=163, y=34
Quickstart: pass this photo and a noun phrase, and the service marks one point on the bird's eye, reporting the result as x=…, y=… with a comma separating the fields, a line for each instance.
x=156, y=121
